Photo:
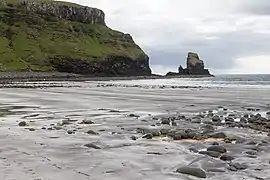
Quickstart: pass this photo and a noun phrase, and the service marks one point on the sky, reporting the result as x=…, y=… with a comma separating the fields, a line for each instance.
x=231, y=36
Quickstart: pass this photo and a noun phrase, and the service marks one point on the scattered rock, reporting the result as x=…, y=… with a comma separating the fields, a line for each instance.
x=155, y=153
x=193, y=150
x=70, y=132
x=208, y=128
x=134, y=138
x=134, y=115
x=50, y=129
x=31, y=129
x=215, y=144
x=147, y=136
x=91, y=145
x=43, y=128
x=22, y=124
x=243, y=120
x=165, y=121
x=251, y=152
x=219, y=149
x=58, y=128
x=197, y=172
x=87, y=121
x=211, y=153
x=91, y=132
x=218, y=135
x=65, y=122
x=229, y=120
x=238, y=166
x=216, y=119
x=226, y=157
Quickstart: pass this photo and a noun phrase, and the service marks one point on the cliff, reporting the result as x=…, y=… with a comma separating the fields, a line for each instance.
x=195, y=66
x=45, y=35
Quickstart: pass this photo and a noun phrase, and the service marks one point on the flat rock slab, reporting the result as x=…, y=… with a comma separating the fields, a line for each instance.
x=197, y=172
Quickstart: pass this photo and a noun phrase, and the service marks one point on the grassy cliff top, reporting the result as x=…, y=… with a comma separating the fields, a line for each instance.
x=30, y=40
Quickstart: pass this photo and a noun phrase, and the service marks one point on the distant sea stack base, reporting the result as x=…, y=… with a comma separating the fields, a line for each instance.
x=54, y=36
x=195, y=67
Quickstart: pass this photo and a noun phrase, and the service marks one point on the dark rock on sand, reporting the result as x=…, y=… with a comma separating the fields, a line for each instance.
x=226, y=157
x=208, y=128
x=218, y=135
x=243, y=120
x=32, y=129
x=91, y=132
x=229, y=120
x=134, y=115
x=91, y=145
x=237, y=166
x=166, y=121
x=22, y=124
x=193, y=150
x=134, y=138
x=251, y=152
x=71, y=132
x=87, y=122
x=58, y=128
x=211, y=153
x=197, y=172
x=219, y=149
x=65, y=122
x=148, y=136
x=216, y=119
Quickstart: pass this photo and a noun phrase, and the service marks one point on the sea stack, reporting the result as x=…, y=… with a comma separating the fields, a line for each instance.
x=195, y=66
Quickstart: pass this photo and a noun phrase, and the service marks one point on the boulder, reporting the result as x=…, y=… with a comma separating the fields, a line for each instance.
x=211, y=153
x=219, y=149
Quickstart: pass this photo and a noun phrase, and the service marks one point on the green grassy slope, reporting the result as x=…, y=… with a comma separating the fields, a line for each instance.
x=29, y=41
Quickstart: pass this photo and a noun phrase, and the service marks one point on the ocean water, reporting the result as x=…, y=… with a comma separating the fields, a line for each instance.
x=241, y=81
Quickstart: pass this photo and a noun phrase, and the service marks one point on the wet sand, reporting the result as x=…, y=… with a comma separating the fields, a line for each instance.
x=54, y=145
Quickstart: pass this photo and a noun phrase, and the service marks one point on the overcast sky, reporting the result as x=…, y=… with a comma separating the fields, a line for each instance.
x=231, y=36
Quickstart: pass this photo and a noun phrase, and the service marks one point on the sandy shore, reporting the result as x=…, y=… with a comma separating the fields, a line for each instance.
x=93, y=132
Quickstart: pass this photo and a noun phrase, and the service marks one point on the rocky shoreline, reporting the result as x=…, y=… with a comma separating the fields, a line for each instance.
x=104, y=133
x=8, y=77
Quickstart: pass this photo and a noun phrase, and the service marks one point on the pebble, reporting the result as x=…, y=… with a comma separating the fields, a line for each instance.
x=165, y=121
x=134, y=138
x=147, y=136
x=70, y=132
x=91, y=145
x=22, y=124
x=65, y=122
x=226, y=157
x=216, y=119
x=32, y=129
x=92, y=132
x=197, y=172
x=87, y=122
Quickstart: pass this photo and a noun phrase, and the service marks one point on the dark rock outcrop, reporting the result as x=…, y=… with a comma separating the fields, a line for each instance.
x=195, y=66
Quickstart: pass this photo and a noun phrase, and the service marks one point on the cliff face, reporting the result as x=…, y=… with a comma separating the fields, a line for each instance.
x=59, y=36
x=61, y=11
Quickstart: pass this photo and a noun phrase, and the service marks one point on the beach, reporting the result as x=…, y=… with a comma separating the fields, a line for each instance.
x=135, y=129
